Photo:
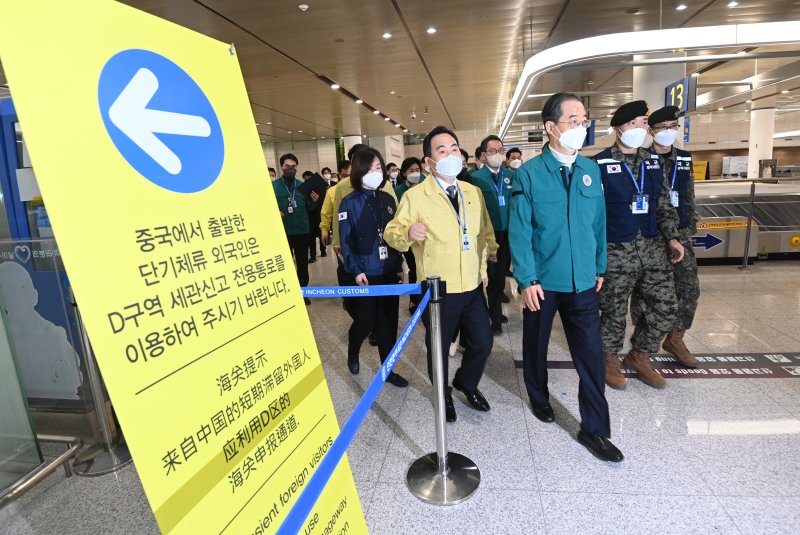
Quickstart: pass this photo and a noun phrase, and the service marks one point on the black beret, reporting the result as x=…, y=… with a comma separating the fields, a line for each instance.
x=667, y=113
x=629, y=112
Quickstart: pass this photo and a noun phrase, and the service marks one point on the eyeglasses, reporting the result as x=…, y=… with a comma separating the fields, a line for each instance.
x=574, y=123
x=667, y=127
x=492, y=152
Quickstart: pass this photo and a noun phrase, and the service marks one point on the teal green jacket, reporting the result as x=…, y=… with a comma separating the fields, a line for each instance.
x=400, y=189
x=556, y=238
x=295, y=223
x=492, y=190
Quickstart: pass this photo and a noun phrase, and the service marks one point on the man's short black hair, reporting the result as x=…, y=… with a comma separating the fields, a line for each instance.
x=355, y=148
x=486, y=141
x=272, y=170
x=465, y=154
x=551, y=111
x=344, y=164
x=289, y=156
x=390, y=164
x=426, y=145
x=322, y=172
x=513, y=150
x=478, y=152
x=307, y=174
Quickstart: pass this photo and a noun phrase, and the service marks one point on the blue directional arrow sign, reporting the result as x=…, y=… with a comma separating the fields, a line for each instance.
x=709, y=241
x=160, y=121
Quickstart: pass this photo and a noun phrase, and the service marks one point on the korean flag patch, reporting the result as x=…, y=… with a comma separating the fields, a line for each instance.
x=616, y=168
x=342, y=216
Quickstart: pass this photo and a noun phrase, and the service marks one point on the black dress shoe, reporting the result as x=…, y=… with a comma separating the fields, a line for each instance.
x=372, y=340
x=505, y=298
x=543, y=412
x=449, y=408
x=397, y=380
x=503, y=318
x=354, y=366
x=600, y=447
x=475, y=399
x=312, y=260
x=323, y=254
x=497, y=329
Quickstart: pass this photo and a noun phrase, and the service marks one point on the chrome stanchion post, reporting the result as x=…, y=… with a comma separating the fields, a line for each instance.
x=441, y=478
x=749, y=225
x=111, y=455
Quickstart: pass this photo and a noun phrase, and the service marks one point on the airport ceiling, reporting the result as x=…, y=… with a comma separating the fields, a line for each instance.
x=451, y=62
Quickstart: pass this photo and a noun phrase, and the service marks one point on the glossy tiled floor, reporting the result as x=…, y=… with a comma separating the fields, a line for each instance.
x=702, y=456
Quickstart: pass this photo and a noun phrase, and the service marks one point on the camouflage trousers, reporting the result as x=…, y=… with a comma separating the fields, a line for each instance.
x=639, y=267
x=687, y=286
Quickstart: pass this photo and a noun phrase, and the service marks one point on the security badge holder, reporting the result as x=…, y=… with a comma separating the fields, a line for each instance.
x=674, y=199
x=466, y=244
x=383, y=252
x=501, y=200
x=641, y=203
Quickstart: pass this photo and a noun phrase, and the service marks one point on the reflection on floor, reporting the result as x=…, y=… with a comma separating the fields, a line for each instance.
x=702, y=456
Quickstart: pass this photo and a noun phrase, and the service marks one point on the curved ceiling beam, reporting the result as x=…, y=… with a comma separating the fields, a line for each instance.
x=648, y=41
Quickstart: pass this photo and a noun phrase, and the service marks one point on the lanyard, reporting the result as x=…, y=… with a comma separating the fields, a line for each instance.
x=639, y=187
x=380, y=211
x=463, y=224
x=499, y=188
x=674, y=172
x=289, y=193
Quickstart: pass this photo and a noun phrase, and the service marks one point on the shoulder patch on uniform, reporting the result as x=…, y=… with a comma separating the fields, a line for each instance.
x=342, y=216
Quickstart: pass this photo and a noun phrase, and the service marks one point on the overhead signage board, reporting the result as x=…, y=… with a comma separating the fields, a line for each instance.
x=682, y=94
x=154, y=178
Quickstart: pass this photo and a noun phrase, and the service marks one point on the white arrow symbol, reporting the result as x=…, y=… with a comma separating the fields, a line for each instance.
x=129, y=113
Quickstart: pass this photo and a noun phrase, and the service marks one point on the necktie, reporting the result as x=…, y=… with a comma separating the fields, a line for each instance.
x=451, y=192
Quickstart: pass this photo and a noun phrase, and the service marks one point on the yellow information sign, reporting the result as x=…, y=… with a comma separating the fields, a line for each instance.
x=716, y=225
x=155, y=182
x=700, y=169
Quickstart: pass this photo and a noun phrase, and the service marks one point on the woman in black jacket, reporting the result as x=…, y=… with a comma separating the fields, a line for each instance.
x=363, y=216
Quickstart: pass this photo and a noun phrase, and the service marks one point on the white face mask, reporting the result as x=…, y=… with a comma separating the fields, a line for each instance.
x=394, y=174
x=496, y=160
x=449, y=166
x=666, y=138
x=515, y=164
x=326, y=176
x=573, y=138
x=634, y=138
x=372, y=180
x=412, y=178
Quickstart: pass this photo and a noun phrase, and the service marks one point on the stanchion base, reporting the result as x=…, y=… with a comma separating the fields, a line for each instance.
x=104, y=462
x=459, y=483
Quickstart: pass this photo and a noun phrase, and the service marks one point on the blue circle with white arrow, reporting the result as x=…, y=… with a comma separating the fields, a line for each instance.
x=160, y=121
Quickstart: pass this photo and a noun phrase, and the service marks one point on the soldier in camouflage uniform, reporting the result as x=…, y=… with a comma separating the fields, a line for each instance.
x=677, y=166
x=639, y=219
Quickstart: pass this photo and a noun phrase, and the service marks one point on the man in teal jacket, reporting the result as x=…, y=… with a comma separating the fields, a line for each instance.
x=558, y=248
x=294, y=207
x=495, y=182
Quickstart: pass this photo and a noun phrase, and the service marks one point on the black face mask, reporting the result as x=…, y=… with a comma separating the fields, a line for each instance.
x=290, y=173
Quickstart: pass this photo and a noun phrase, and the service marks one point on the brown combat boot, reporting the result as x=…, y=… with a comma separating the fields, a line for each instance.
x=614, y=377
x=673, y=344
x=639, y=361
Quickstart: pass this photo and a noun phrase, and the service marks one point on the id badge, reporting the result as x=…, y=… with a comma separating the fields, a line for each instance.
x=290, y=209
x=674, y=199
x=466, y=244
x=294, y=203
x=640, y=204
x=501, y=200
x=383, y=252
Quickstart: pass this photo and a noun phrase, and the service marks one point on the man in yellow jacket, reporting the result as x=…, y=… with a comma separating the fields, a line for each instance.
x=442, y=221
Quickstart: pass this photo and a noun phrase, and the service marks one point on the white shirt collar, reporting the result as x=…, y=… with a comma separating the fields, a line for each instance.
x=445, y=185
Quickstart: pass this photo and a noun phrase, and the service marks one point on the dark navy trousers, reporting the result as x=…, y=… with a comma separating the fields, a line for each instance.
x=580, y=315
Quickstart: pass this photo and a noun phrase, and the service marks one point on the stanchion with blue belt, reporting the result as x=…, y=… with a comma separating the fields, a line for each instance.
x=439, y=478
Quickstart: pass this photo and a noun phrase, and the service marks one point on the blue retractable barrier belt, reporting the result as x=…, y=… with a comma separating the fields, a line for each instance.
x=293, y=522
x=361, y=291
